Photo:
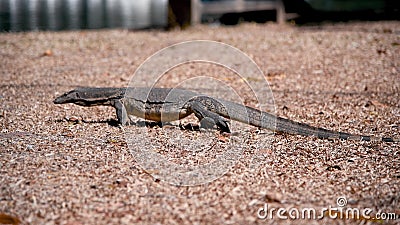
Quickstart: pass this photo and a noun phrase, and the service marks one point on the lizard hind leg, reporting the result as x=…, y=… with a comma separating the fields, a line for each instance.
x=207, y=118
x=207, y=123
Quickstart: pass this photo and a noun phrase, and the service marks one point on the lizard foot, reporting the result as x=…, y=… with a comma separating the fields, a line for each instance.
x=222, y=123
x=208, y=118
x=207, y=123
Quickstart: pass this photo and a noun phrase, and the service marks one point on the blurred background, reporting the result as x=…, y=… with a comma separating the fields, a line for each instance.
x=24, y=15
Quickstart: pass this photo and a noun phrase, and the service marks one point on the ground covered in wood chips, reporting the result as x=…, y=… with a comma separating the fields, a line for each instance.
x=66, y=164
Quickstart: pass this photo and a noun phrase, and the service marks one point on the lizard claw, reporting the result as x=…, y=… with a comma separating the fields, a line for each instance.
x=220, y=122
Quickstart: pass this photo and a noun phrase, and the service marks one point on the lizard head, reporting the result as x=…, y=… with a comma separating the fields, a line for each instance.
x=90, y=96
x=73, y=96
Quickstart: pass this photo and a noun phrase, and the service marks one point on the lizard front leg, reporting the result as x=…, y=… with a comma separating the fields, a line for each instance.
x=205, y=116
x=122, y=115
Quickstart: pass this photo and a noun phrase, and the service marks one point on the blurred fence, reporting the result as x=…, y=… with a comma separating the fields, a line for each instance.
x=20, y=15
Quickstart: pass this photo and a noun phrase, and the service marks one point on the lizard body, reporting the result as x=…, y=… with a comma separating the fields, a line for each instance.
x=166, y=104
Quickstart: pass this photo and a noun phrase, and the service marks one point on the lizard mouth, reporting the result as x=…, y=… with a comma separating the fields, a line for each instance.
x=63, y=99
x=58, y=101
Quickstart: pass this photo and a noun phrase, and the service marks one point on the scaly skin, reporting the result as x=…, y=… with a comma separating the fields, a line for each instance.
x=165, y=104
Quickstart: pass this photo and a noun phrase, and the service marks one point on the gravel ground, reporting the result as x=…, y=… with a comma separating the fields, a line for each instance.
x=65, y=164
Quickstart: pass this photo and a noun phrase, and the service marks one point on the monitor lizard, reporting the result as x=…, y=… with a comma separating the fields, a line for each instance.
x=167, y=104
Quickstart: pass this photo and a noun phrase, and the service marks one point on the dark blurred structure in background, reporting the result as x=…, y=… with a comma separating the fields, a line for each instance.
x=22, y=15
x=343, y=10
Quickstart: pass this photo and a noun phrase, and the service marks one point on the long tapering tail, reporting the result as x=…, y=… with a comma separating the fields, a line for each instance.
x=292, y=127
x=269, y=121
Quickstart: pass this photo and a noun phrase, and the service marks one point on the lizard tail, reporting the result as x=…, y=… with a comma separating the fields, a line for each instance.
x=292, y=127
x=269, y=121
